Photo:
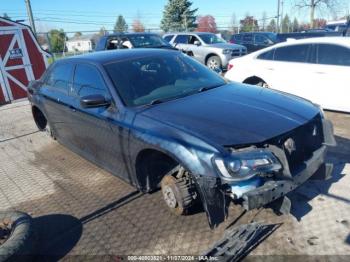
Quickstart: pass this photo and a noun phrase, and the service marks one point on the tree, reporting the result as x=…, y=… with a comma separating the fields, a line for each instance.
x=286, y=24
x=320, y=23
x=206, y=24
x=137, y=26
x=57, y=40
x=120, y=25
x=272, y=27
x=295, y=25
x=78, y=34
x=102, y=31
x=263, y=20
x=233, y=24
x=248, y=24
x=5, y=15
x=313, y=5
x=178, y=16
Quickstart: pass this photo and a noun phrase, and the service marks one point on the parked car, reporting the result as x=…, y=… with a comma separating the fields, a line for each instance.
x=207, y=48
x=160, y=118
x=316, y=69
x=131, y=40
x=254, y=41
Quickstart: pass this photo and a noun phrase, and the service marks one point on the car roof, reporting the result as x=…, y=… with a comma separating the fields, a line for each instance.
x=257, y=33
x=326, y=40
x=104, y=57
x=129, y=34
x=189, y=33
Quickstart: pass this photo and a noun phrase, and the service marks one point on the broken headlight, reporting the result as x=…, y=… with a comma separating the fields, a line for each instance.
x=243, y=165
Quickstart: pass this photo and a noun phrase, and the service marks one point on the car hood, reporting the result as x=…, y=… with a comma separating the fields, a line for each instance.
x=225, y=46
x=234, y=114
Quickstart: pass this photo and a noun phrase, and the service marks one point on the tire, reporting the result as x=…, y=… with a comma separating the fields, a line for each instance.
x=176, y=194
x=20, y=245
x=214, y=62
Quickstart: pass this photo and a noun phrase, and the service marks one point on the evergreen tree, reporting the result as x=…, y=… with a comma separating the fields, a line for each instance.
x=5, y=15
x=286, y=24
x=178, y=16
x=272, y=27
x=57, y=40
x=295, y=25
x=120, y=25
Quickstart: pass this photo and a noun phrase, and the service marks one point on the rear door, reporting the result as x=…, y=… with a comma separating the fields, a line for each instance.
x=248, y=42
x=289, y=70
x=57, y=102
x=331, y=75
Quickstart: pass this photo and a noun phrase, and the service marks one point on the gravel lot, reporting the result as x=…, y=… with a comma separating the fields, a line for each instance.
x=80, y=209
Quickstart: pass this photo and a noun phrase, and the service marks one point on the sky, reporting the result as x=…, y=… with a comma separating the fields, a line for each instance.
x=91, y=15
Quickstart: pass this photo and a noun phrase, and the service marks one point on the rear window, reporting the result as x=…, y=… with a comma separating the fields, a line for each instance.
x=248, y=38
x=267, y=55
x=294, y=53
x=60, y=76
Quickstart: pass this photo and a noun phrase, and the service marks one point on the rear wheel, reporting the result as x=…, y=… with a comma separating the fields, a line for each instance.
x=178, y=191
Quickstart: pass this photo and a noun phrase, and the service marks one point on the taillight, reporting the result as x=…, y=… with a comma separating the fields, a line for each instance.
x=229, y=67
x=232, y=41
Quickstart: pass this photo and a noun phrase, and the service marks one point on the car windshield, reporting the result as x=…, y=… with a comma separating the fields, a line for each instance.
x=159, y=78
x=212, y=39
x=140, y=41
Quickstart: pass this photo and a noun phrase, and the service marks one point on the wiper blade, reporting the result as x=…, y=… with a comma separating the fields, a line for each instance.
x=203, y=89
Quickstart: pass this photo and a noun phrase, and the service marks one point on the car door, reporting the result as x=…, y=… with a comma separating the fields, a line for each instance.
x=181, y=42
x=194, y=48
x=96, y=138
x=247, y=41
x=57, y=102
x=331, y=76
x=288, y=71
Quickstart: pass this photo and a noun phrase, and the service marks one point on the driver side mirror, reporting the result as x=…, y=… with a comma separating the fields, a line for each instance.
x=93, y=101
x=197, y=43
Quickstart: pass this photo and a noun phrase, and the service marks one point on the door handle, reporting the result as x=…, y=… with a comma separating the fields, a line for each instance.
x=320, y=73
x=72, y=108
x=271, y=69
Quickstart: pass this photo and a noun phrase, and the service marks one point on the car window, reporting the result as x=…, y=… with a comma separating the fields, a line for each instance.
x=112, y=43
x=60, y=76
x=181, y=39
x=248, y=38
x=333, y=55
x=212, y=39
x=88, y=81
x=293, y=53
x=147, y=40
x=168, y=38
x=193, y=39
x=261, y=40
x=267, y=55
x=140, y=81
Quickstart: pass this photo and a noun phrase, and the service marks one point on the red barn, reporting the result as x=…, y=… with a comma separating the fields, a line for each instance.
x=21, y=60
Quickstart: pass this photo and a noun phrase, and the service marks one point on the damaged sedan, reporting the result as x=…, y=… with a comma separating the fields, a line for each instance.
x=159, y=119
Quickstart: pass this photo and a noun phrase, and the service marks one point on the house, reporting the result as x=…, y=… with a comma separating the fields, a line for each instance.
x=83, y=43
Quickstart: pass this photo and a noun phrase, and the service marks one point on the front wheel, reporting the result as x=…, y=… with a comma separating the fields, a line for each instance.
x=214, y=62
x=178, y=192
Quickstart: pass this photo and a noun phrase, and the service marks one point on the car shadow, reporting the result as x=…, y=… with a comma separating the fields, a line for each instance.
x=56, y=235
x=338, y=156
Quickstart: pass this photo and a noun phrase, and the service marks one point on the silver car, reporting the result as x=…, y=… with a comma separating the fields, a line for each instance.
x=207, y=48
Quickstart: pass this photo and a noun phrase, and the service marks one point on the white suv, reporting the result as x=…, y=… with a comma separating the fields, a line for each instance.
x=317, y=69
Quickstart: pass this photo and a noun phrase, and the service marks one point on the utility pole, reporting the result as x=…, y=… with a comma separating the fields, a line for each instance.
x=30, y=15
x=278, y=15
x=281, y=17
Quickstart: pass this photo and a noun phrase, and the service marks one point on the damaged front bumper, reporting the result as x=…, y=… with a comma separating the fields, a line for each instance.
x=259, y=191
x=274, y=189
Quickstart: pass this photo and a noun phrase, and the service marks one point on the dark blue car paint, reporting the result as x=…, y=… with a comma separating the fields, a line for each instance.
x=191, y=129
